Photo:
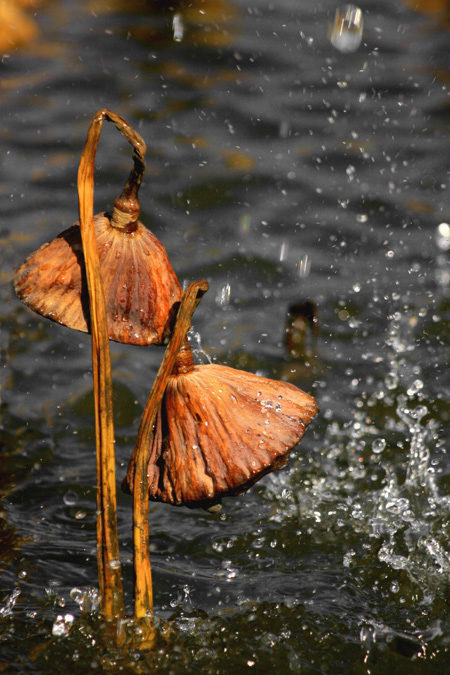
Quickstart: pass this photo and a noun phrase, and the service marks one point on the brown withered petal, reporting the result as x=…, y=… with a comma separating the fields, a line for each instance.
x=219, y=430
x=139, y=283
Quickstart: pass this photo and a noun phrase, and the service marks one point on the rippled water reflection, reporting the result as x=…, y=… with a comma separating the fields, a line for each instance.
x=282, y=170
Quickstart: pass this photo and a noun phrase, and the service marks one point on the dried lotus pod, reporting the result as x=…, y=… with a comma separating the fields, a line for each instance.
x=139, y=283
x=219, y=430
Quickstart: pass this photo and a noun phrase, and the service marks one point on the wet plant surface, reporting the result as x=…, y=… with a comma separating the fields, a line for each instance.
x=282, y=170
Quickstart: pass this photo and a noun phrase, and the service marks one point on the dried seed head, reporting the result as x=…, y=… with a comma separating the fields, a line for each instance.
x=139, y=283
x=218, y=431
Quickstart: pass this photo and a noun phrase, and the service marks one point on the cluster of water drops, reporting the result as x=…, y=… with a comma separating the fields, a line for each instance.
x=392, y=442
x=87, y=599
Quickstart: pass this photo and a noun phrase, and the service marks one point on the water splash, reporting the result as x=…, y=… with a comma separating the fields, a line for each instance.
x=197, y=350
x=88, y=599
x=7, y=608
x=374, y=480
x=62, y=625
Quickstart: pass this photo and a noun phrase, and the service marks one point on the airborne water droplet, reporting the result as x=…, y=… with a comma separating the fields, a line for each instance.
x=223, y=295
x=70, y=498
x=442, y=236
x=416, y=386
x=304, y=266
x=62, y=625
x=378, y=445
x=346, y=31
x=391, y=380
x=88, y=599
x=177, y=27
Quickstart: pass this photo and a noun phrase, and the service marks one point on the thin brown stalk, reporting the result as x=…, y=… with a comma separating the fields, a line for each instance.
x=143, y=594
x=108, y=558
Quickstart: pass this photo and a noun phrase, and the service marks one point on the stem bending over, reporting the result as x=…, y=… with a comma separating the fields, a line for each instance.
x=108, y=557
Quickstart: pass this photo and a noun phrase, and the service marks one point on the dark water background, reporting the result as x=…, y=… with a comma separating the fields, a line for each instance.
x=281, y=170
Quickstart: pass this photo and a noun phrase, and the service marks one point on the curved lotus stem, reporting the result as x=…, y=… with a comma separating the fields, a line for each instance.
x=108, y=558
x=143, y=595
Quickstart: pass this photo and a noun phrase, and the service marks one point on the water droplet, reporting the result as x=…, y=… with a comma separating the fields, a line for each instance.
x=268, y=403
x=416, y=386
x=367, y=637
x=284, y=129
x=177, y=27
x=391, y=380
x=88, y=599
x=348, y=558
x=6, y=609
x=198, y=352
x=62, y=625
x=304, y=266
x=80, y=514
x=70, y=498
x=114, y=564
x=442, y=236
x=223, y=295
x=245, y=222
x=419, y=412
x=346, y=31
x=378, y=445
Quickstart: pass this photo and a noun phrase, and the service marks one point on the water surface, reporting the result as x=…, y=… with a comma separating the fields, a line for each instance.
x=282, y=170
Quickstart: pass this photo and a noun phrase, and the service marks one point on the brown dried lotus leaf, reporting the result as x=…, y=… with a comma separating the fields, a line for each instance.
x=219, y=430
x=139, y=283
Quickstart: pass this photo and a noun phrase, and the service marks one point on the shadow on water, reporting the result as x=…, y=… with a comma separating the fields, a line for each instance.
x=284, y=171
